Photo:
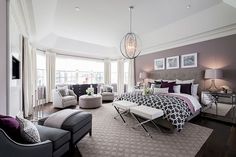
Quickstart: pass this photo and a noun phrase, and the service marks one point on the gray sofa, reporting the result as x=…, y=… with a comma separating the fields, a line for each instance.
x=55, y=142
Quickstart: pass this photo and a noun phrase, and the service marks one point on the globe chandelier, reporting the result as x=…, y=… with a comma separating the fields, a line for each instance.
x=130, y=45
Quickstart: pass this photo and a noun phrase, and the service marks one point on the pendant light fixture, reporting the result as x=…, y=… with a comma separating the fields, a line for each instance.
x=130, y=45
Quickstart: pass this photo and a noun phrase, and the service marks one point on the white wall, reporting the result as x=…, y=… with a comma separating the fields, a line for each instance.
x=15, y=49
x=3, y=56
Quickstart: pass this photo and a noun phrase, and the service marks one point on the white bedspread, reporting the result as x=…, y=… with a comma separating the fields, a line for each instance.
x=191, y=98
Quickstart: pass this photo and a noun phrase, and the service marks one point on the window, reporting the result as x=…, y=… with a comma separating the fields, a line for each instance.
x=114, y=76
x=126, y=71
x=72, y=70
x=41, y=69
x=68, y=77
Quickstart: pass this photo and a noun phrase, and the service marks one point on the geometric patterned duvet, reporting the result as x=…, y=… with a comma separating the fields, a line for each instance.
x=176, y=110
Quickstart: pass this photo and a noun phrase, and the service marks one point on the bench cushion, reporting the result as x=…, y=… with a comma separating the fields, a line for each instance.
x=77, y=121
x=125, y=105
x=147, y=112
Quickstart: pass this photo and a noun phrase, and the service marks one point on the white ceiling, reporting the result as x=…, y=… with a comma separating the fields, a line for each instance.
x=98, y=27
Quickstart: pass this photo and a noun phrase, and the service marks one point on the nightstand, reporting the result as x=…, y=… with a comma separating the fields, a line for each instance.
x=210, y=98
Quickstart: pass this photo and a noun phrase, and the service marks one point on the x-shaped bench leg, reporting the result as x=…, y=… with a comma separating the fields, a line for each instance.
x=120, y=114
x=141, y=124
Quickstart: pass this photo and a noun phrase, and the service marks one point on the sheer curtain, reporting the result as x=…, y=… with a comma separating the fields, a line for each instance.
x=120, y=71
x=107, y=71
x=131, y=82
x=29, y=78
x=50, y=75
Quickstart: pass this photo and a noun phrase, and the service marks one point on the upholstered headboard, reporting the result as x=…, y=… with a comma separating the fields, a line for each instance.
x=182, y=74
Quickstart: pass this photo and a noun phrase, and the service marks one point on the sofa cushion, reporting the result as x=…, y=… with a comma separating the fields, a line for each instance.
x=77, y=121
x=68, y=98
x=58, y=136
x=28, y=130
x=11, y=126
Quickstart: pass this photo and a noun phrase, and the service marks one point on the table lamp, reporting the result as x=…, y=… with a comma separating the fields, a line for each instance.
x=143, y=76
x=213, y=74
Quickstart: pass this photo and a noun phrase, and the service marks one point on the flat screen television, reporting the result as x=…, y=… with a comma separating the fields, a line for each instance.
x=15, y=68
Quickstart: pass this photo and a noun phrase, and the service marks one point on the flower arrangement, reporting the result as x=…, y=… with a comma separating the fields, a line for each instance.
x=147, y=91
x=90, y=91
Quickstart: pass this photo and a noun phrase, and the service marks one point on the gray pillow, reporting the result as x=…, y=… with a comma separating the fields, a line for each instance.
x=28, y=130
x=63, y=92
x=107, y=89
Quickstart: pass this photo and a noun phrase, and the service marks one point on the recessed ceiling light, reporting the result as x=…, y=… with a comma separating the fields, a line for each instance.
x=188, y=6
x=77, y=9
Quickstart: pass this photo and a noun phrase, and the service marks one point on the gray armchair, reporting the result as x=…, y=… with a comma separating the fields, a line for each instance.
x=10, y=148
x=62, y=101
x=55, y=143
x=107, y=93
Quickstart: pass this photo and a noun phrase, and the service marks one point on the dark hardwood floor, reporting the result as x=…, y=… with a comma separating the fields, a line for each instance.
x=221, y=143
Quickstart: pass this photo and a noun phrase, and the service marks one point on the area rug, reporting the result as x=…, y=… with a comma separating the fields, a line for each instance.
x=112, y=138
x=223, y=109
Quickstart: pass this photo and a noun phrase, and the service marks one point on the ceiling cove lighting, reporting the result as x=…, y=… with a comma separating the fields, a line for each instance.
x=130, y=45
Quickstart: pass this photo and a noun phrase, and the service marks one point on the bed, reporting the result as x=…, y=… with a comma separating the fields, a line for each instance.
x=177, y=108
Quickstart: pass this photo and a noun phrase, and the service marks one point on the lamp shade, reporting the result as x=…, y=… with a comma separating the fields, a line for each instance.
x=213, y=74
x=142, y=75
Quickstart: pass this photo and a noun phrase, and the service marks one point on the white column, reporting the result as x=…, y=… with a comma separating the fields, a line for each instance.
x=50, y=75
x=107, y=71
x=120, y=73
x=3, y=57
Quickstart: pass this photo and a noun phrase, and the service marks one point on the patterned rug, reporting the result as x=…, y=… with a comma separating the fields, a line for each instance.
x=112, y=138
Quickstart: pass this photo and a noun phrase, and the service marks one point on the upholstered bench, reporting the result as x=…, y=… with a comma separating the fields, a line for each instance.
x=79, y=124
x=147, y=113
x=123, y=107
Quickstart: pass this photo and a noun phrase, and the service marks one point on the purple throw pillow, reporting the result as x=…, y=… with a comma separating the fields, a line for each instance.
x=169, y=85
x=185, y=88
x=11, y=126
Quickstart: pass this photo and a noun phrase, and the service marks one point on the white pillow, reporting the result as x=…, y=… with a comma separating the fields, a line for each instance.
x=169, y=81
x=177, y=88
x=160, y=90
x=158, y=80
x=28, y=130
x=138, y=90
x=184, y=81
x=194, y=89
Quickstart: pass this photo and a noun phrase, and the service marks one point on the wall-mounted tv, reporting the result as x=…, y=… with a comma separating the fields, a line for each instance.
x=15, y=68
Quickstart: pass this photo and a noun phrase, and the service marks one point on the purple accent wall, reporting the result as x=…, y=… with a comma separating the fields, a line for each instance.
x=217, y=53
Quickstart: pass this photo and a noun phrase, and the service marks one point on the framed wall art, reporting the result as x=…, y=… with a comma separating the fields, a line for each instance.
x=172, y=62
x=159, y=64
x=189, y=60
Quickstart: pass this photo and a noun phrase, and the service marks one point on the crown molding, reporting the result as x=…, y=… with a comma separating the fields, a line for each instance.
x=209, y=35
